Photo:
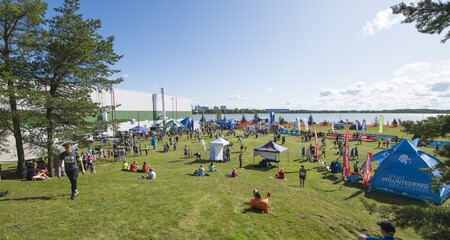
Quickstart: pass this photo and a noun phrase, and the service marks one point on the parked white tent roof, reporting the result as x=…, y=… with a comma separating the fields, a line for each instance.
x=31, y=151
x=216, y=149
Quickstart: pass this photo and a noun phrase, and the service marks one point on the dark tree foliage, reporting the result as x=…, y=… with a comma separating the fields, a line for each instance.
x=431, y=17
x=74, y=60
x=432, y=222
x=20, y=23
x=310, y=120
x=394, y=122
x=244, y=120
x=255, y=118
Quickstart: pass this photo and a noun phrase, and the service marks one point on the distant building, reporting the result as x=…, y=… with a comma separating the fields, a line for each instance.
x=223, y=107
x=141, y=108
x=277, y=110
x=216, y=108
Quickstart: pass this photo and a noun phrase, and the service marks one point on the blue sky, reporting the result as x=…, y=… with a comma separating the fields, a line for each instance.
x=333, y=55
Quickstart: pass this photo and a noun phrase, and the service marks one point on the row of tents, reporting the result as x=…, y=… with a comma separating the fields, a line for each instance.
x=269, y=150
x=403, y=170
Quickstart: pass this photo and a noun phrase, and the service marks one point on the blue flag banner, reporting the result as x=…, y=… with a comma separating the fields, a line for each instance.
x=363, y=127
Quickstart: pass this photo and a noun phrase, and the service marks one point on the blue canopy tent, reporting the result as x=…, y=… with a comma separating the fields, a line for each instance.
x=138, y=129
x=405, y=172
x=187, y=123
x=229, y=124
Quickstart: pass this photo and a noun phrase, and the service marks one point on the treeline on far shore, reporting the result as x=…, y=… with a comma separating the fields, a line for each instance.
x=246, y=110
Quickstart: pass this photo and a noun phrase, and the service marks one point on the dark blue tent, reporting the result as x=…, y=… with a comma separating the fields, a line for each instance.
x=186, y=123
x=405, y=172
x=138, y=129
x=230, y=123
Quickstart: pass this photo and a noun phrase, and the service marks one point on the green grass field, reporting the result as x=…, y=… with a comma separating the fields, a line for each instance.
x=113, y=204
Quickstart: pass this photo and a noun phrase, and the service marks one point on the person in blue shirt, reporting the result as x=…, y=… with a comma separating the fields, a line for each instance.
x=387, y=231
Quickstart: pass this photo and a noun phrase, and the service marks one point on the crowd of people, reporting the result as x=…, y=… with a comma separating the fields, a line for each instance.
x=71, y=163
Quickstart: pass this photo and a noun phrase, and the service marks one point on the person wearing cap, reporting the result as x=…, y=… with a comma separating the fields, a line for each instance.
x=72, y=166
x=387, y=231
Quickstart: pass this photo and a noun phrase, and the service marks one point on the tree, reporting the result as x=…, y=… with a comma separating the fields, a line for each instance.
x=19, y=22
x=202, y=119
x=310, y=120
x=394, y=122
x=74, y=61
x=281, y=120
x=432, y=222
x=255, y=118
x=244, y=120
x=430, y=17
x=219, y=115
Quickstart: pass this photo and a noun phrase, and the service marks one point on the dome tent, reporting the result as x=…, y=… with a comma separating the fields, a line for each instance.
x=405, y=171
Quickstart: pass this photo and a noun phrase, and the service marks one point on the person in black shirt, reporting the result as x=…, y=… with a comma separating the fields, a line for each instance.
x=72, y=165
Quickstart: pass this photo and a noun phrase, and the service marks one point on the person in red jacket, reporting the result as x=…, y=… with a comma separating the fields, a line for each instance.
x=280, y=174
x=134, y=167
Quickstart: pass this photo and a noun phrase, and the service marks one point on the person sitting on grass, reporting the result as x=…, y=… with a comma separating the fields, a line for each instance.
x=125, y=166
x=233, y=173
x=36, y=174
x=257, y=203
x=145, y=167
x=212, y=168
x=200, y=171
x=134, y=167
x=280, y=174
x=150, y=174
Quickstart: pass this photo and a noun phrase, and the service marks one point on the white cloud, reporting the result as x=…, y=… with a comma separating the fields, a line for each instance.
x=383, y=20
x=125, y=76
x=237, y=98
x=269, y=89
x=439, y=85
x=412, y=86
x=327, y=92
x=411, y=68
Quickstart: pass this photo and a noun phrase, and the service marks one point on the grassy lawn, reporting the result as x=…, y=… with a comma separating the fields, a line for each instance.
x=118, y=205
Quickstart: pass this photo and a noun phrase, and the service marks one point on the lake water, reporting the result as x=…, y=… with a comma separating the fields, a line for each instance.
x=330, y=117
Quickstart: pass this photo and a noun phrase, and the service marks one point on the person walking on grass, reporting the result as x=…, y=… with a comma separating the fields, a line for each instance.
x=302, y=176
x=240, y=160
x=72, y=165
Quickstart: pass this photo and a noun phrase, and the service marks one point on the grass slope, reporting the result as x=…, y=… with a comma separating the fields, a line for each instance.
x=118, y=205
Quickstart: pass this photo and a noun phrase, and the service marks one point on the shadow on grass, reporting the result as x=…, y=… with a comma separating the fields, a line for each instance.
x=355, y=194
x=44, y=198
x=393, y=199
x=199, y=162
x=254, y=167
x=248, y=210
x=10, y=174
x=327, y=190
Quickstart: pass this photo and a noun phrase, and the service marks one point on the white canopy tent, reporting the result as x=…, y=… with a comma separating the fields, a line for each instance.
x=216, y=149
